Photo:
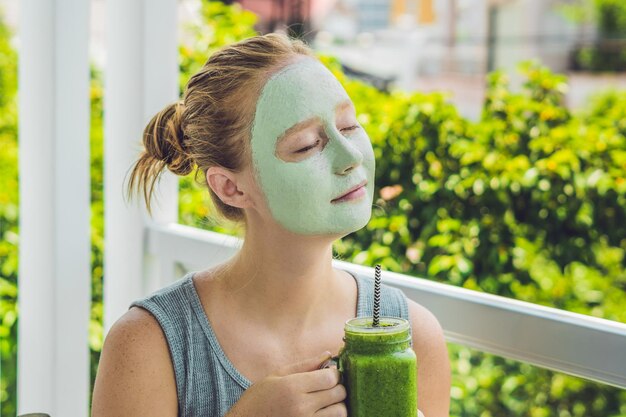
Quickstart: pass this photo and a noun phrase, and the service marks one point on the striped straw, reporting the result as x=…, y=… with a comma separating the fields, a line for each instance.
x=375, y=321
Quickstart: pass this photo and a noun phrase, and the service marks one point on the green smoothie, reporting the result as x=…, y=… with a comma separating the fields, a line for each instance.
x=379, y=368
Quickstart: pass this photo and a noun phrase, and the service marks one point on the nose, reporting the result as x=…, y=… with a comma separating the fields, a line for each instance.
x=346, y=155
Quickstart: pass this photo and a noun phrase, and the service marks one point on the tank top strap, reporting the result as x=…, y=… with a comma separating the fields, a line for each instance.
x=393, y=302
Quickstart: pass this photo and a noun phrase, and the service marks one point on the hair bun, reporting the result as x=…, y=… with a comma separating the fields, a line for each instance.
x=164, y=139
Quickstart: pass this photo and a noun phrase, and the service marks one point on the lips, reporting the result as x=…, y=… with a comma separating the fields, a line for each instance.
x=351, y=190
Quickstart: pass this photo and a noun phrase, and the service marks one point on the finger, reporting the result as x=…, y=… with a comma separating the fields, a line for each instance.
x=334, y=410
x=326, y=398
x=330, y=363
x=305, y=365
x=318, y=380
x=312, y=381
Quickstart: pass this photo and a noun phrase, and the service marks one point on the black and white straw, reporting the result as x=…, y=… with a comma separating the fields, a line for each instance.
x=375, y=321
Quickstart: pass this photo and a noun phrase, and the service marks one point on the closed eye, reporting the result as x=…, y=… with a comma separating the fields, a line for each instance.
x=351, y=128
x=317, y=142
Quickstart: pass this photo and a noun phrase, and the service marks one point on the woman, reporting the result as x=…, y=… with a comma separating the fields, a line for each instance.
x=277, y=138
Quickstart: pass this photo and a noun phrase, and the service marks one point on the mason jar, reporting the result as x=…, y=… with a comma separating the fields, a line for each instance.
x=378, y=368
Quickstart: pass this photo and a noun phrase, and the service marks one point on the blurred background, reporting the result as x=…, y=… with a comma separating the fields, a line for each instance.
x=434, y=45
x=440, y=45
x=499, y=128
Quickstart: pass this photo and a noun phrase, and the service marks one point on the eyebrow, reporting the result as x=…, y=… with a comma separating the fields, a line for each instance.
x=306, y=123
x=297, y=127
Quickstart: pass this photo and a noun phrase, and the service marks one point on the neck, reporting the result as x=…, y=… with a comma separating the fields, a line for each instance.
x=284, y=280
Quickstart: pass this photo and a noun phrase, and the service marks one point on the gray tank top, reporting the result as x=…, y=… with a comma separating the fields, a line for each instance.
x=207, y=383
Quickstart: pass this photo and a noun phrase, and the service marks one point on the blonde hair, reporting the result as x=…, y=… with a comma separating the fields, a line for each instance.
x=211, y=125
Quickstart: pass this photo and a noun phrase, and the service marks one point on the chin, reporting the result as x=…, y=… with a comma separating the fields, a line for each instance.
x=337, y=225
x=356, y=226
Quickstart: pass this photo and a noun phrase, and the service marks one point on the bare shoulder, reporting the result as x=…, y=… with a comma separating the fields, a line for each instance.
x=426, y=327
x=433, y=363
x=135, y=374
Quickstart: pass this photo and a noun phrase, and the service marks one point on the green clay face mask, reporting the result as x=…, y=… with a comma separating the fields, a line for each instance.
x=302, y=172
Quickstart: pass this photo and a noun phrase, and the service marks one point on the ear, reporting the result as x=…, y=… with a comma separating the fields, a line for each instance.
x=228, y=186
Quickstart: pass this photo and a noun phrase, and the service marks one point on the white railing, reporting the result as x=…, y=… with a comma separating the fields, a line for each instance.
x=575, y=344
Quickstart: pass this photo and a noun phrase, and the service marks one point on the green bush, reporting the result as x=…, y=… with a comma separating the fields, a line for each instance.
x=96, y=330
x=9, y=209
x=529, y=202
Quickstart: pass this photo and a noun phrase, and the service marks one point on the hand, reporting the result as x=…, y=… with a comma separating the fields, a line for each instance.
x=296, y=390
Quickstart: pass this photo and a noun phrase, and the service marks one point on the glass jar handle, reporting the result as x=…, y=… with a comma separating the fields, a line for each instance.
x=330, y=362
x=336, y=362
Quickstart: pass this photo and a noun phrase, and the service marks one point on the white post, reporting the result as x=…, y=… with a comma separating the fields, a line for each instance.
x=161, y=89
x=140, y=79
x=54, y=271
x=123, y=124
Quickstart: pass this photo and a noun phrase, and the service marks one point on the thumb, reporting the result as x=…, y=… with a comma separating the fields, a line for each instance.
x=306, y=365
